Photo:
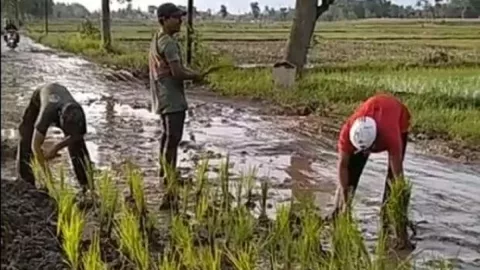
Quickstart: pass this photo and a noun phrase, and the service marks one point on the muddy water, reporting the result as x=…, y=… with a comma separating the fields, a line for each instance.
x=120, y=126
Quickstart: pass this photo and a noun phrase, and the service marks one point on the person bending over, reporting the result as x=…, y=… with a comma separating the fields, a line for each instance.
x=379, y=124
x=52, y=104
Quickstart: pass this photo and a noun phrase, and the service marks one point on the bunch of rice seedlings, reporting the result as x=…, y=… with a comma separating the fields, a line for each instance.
x=135, y=183
x=209, y=259
x=201, y=207
x=91, y=259
x=182, y=241
x=132, y=240
x=72, y=231
x=397, y=207
x=65, y=204
x=279, y=242
x=263, y=205
x=225, y=184
x=90, y=173
x=170, y=200
x=239, y=228
x=348, y=251
x=108, y=194
x=44, y=176
x=202, y=180
x=169, y=262
x=250, y=184
x=308, y=246
x=186, y=196
x=244, y=258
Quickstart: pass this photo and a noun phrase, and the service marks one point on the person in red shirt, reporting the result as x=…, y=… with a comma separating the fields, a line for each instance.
x=379, y=124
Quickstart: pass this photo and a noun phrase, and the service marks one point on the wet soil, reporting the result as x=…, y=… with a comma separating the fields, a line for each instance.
x=120, y=127
x=28, y=223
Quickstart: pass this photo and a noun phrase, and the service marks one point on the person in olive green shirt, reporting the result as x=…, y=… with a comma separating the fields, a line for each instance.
x=53, y=105
x=167, y=74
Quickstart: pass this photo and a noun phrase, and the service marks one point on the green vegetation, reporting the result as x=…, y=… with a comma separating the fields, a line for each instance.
x=432, y=66
x=211, y=231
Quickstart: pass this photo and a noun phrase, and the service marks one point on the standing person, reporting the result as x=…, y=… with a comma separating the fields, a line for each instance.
x=167, y=74
x=53, y=104
x=380, y=124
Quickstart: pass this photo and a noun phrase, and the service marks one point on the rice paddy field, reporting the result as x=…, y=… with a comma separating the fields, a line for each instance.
x=208, y=222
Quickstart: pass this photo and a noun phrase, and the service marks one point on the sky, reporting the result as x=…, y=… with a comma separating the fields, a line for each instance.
x=233, y=6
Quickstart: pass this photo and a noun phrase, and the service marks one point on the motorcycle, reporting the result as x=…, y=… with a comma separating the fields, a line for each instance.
x=12, y=39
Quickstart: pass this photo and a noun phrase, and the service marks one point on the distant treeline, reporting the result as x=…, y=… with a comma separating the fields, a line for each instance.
x=340, y=10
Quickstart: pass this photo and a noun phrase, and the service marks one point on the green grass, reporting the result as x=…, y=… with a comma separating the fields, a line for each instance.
x=436, y=76
x=227, y=237
x=444, y=102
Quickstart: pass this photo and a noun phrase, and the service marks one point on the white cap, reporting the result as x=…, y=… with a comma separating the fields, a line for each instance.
x=363, y=133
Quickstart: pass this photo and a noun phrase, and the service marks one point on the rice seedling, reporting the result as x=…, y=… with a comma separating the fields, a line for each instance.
x=72, y=230
x=245, y=258
x=182, y=240
x=240, y=228
x=396, y=210
x=65, y=204
x=263, y=205
x=348, y=251
x=225, y=183
x=201, y=208
x=281, y=239
x=186, y=196
x=239, y=190
x=201, y=179
x=91, y=259
x=250, y=183
x=171, y=198
x=308, y=245
x=109, y=199
x=208, y=259
x=90, y=173
x=135, y=183
x=131, y=238
x=44, y=176
x=169, y=262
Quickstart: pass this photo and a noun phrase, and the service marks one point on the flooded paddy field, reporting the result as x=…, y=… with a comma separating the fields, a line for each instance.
x=445, y=202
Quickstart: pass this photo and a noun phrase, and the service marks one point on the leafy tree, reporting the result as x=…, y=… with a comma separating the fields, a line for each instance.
x=223, y=11
x=255, y=9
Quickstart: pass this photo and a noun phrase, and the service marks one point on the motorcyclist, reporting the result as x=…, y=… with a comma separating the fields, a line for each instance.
x=10, y=27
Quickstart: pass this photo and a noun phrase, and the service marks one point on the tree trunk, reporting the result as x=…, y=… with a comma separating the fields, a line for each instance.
x=106, y=35
x=46, y=17
x=303, y=26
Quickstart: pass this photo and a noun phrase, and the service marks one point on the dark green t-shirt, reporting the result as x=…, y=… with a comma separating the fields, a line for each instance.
x=53, y=100
x=168, y=94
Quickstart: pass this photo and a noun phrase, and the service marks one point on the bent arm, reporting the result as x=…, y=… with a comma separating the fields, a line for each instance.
x=172, y=56
x=68, y=140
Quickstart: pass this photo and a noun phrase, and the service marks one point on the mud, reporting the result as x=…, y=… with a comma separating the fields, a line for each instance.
x=28, y=223
x=120, y=127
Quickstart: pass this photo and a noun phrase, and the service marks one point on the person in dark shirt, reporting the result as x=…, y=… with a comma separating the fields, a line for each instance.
x=52, y=104
x=9, y=28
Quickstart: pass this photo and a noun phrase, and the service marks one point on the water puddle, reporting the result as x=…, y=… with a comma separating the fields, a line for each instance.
x=120, y=126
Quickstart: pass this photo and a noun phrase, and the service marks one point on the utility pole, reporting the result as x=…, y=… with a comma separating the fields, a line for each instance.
x=46, y=16
x=189, y=31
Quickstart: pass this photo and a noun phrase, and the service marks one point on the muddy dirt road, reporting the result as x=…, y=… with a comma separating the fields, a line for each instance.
x=120, y=126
